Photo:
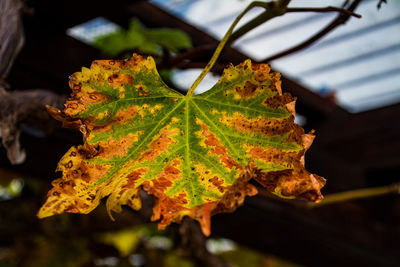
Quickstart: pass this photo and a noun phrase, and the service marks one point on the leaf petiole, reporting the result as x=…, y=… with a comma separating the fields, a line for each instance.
x=274, y=9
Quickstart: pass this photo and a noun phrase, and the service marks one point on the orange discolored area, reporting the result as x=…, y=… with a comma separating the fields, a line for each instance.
x=102, y=128
x=133, y=63
x=113, y=148
x=63, y=186
x=72, y=192
x=261, y=72
x=267, y=127
x=209, y=180
x=217, y=183
x=297, y=183
x=273, y=155
x=160, y=144
x=132, y=178
x=93, y=172
x=169, y=209
x=124, y=115
x=171, y=172
x=126, y=193
x=76, y=169
x=116, y=79
x=235, y=194
x=91, y=98
x=217, y=148
x=159, y=186
x=73, y=107
x=203, y=215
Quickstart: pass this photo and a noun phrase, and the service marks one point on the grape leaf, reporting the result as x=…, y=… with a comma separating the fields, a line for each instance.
x=194, y=154
x=144, y=40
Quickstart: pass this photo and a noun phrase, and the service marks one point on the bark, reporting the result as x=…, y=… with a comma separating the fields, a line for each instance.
x=11, y=35
x=25, y=110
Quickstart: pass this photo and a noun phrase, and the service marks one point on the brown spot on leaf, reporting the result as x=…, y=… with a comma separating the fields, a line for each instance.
x=117, y=80
x=267, y=127
x=247, y=91
x=277, y=101
x=69, y=164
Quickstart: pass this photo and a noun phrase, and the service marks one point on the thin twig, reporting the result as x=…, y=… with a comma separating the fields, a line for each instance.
x=380, y=3
x=341, y=19
x=191, y=54
x=182, y=60
x=358, y=194
x=324, y=9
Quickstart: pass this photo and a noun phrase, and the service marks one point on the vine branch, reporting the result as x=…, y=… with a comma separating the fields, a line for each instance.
x=179, y=60
x=357, y=194
x=341, y=19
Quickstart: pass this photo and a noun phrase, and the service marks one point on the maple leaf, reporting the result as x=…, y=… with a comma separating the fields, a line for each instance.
x=194, y=154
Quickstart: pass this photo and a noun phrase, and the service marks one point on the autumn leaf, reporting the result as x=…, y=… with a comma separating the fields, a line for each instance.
x=194, y=154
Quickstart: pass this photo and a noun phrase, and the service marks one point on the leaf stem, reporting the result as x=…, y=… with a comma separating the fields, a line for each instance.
x=274, y=9
x=280, y=8
x=357, y=194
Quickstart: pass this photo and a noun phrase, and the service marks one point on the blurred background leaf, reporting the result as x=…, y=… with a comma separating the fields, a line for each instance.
x=142, y=39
